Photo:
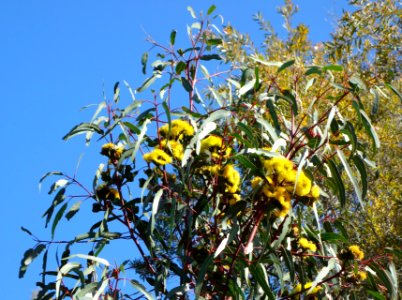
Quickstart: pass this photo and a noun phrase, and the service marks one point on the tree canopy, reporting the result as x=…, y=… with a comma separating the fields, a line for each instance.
x=240, y=171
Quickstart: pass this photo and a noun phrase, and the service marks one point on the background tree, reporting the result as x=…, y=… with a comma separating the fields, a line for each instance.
x=253, y=188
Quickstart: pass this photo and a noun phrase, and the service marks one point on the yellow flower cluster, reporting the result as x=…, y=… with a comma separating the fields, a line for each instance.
x=112, y=151
x=281, y=181
x=306, y=287
x=107, y=193
x=178, y=130
x=171, y=144
x=307, y=245
x=214, y=146
x=229, y=179
x=358, y=254
x=361, y=275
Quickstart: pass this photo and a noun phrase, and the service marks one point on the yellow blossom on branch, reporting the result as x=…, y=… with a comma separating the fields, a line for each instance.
x=158, y=157
x=358, y=254
x=307, y=245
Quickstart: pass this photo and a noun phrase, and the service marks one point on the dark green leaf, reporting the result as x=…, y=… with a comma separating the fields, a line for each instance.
x=59, y=198
x=247, y=131
x=132, y=128
x=180, y=67
x=210, y=57
x=82, y=128
x=144, y=60
x=211, y=9
x=395, y=91
x=260, y=276
x=363, y=174
x=349, y=130
x=376, y=295
x=287, y=256
x=186, y=84
x=73, y=210
x=336, y=68
x=173, y=37
x=192, y=113
x=116, y=92
x=333, y=237
x=28, y=258
x=26, y=230
x=57, y=218
x=273, y=114
x=313, y=70
x=285, y=65
x=213, y=42
x=340, y=188
x=289, y=97
x=243, y=160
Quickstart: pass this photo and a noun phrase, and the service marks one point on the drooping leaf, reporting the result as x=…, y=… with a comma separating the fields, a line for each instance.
x=285, y=65
x=173, y=37
x=186, y=84
x=81, y=129
x=73, y=210
x=260, y=275
x=57, y=218
x=29, y=257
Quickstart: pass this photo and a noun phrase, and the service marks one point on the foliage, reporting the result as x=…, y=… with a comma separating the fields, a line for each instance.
x=247, y=191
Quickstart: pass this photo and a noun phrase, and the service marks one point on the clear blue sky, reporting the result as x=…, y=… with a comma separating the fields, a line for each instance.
x=55, y=57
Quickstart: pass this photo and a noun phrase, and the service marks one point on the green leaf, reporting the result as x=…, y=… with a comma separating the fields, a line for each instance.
x=210, y=57
x=274, y=116
x=211, y=9
x=63, y=272
x=186, y=84
x=351, y=176
x=289, y=97
x=73, y=210
x=349, y=130
x=247, y=131
x=29, y=257
x=285, y=65
x=155, y=205
x=214, y=42
x=339, y=186
x=116, y=92
x=144, y=60
x=26, y=230
x=167, y=111
x=313, y=70
x=180, y=67
x=363, y=174
x=150, y=80
x=336, y=68
x=333, y=237
x=81, y=129
x=201, y=275
x=260, y=275
x=57, y=218
x=247, y=87
x=191, y=11
x=59, y=198
x=287, y=256
x=173, y=37
x=370, y=130
x=376, y=295
x=396, y=92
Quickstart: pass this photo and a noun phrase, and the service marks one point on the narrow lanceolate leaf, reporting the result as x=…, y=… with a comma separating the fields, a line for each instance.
x=398, y=93
x=370, y=130
x=149, y=81
x=323, y=273
x=92, y=258
x=247, y=87
x=62, y=272
x=141, y=289
x=140, y=138
x=221, y=246
x=144, y=60
x=81, y=129
x=285, y=65
x=155, y=205
x=186, y=84
x=73, y=210
x=339, y=186
x=351, y=176
x=29, y=257
x=57, y=218
x=260, y=275
x=363, y=174
x=116, y=90
x=173, y=37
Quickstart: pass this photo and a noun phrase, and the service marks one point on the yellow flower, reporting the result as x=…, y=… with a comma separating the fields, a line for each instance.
x=315, y=191
x=361, y=275
x=358, y=254
x=232, y=178
x=210, y=170
x=303, y=185
x=306, y=287
x=306, y=244
x=158, y=157
x=112, y=151
x=178, y=130
x=104, y=192
x=214, y=146
x=174, y=147
x=233, y=198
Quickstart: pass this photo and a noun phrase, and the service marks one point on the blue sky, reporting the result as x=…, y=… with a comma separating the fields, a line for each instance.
x=58, y=56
